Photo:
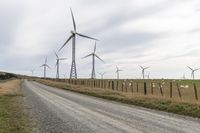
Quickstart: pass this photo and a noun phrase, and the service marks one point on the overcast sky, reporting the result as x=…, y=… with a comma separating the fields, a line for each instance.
x=162, y=34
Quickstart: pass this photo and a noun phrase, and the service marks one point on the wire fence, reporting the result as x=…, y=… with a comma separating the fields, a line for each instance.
x=183, y=89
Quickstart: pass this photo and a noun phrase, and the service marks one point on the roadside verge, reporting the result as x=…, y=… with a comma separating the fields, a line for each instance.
x=13, y=118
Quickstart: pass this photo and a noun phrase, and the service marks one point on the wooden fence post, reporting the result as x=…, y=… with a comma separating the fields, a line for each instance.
x=171, y=89
x=132, y=86
x=137, y=87
x=117, y=84
x=126, y=86
x=108, y=84
x=195, y=91
x=161, y=89
x=122, y=86
x=145, y=88
x=113, y=86
x=152, y=87
x=179, y=92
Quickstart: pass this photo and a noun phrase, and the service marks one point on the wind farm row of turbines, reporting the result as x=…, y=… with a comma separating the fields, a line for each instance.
x=73, y=71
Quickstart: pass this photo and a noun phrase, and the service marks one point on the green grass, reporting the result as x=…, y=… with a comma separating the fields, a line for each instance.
x=158, y=103
x=13, y=119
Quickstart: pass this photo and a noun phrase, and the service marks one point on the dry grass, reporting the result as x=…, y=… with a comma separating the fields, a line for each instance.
x=10, y=87
x=13, y=118
x=175, y=105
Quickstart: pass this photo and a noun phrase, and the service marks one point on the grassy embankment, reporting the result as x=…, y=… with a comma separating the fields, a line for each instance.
x=13, y=118
x=174, y=105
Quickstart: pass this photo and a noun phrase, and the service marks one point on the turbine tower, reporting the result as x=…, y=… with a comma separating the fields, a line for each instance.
x=184, y=76
x=58, y=65
x=45, y=67
x=93, y=75
x=143, y=71
x=102, y=74
x=148, y=76
x=193, y=71
x=74, y=33
x=117, y=71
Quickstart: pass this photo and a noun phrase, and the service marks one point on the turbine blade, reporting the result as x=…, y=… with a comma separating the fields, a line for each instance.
x=62, y=58
x=146, y=67
x=95, y=47
x=196, y=69
x=42, y=65
x=48, y=66
x=46, y=60
x=117, y=67
x=140, y=66
x=74, y=24
x=87, y=56
x=86, y=36
x=56, y=54
x=99, y=58
x=190, y=68
x=66, y=42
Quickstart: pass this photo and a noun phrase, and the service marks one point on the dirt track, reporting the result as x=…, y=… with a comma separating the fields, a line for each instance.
x=58, y=110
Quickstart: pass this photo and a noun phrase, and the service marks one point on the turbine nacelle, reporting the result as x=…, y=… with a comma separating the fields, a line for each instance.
x=73, y=32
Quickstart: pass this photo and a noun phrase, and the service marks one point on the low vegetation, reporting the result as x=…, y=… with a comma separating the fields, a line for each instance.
x=5, y=76
x=175, y=105
x=13, y=118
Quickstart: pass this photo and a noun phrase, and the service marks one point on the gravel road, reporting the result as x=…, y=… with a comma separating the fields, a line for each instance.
x=60, y=111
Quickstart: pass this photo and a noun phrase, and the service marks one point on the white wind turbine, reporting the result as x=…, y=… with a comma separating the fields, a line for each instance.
x=117, y=71
x=94, y=56
x=32, y=72
x=45, y=67
x=102, y=75
x=143, y=70
x=58, y=65
x=193, y=71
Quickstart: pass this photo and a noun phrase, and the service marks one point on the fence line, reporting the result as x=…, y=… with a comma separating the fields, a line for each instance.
x=135, y=86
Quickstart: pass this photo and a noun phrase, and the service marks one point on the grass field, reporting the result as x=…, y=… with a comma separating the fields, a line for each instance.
x=163, y=103
x=13, y=119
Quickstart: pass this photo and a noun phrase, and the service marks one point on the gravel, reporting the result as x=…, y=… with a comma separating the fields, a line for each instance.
x=59, y=111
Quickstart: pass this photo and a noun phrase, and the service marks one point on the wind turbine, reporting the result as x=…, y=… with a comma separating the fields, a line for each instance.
x=143, y=70
x=102, y=74
x=117, y=71
x=93, y=75
x=58, y=65
x=64, y=75
x=45, y=67
x=32, y=71
x=74, y=33
x=193, y=70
